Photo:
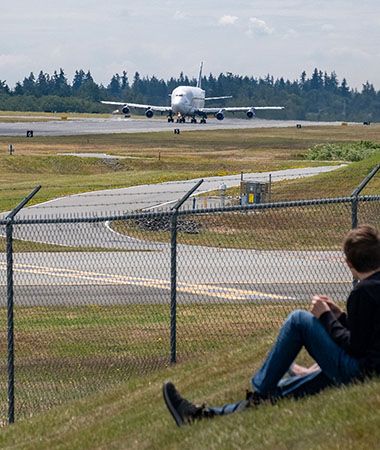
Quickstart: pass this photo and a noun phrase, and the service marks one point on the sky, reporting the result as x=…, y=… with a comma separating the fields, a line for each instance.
x=165, y=37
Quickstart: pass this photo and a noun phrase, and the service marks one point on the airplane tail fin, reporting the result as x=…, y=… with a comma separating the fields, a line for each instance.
x=200, y=75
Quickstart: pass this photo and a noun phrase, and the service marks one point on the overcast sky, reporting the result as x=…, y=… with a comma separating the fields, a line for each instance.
x=165, y=37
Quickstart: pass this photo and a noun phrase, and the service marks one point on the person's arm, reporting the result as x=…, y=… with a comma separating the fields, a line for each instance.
x=343, y=319
x=334, y=308
x=339, y=333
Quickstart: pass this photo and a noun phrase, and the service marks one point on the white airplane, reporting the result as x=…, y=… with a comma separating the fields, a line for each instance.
x=189, y=101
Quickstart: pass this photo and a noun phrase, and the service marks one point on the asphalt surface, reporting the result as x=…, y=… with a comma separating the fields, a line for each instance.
x=121, y=125
x=204, y=274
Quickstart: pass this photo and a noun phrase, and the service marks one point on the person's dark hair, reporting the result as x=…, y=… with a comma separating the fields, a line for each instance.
x=362, y=248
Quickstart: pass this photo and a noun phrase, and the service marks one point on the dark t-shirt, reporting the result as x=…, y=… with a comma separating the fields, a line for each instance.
x=358, y=331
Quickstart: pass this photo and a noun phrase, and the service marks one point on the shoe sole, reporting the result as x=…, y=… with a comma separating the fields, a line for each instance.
x=172, y=410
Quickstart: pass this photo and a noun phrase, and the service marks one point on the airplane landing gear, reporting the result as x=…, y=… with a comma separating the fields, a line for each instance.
x=170, y=119
x=203, y=120
x=193, y=120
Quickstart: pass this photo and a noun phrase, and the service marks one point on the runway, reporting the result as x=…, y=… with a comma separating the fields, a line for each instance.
x=118, y=125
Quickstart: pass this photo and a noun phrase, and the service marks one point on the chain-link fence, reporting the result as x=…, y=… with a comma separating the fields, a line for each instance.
x=100, y=300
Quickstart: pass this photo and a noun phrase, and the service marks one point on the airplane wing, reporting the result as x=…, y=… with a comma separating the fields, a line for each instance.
x=241, y=108
x=218, y=98
x=249, y=110
x=139, y=106
x=238, y=109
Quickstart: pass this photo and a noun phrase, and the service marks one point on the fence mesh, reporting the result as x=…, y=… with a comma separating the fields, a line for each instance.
x=93, y=297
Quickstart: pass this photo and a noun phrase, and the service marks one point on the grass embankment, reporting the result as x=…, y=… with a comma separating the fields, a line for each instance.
x=133, y=415
x=340, y=183
x=29, y=247
x=157, y=157
x=66, y=352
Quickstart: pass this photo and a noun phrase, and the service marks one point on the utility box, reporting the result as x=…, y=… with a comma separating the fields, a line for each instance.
x=253, y=192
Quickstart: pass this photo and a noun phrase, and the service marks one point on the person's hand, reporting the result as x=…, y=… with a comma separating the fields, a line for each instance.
x=335, y=309
x=319, y=306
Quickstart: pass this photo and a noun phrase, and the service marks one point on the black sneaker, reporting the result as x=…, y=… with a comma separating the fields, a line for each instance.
x=182, y=410
x=254, y=398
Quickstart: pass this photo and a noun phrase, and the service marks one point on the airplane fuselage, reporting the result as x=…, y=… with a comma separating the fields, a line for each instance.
x=187, y=100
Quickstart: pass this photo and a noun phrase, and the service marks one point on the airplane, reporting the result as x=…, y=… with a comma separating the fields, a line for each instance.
x=189, y=101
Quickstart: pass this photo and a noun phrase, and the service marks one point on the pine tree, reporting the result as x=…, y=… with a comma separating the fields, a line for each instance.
x=344, y=89
x=114, y=87
x=78, y=80
x=4, y=88
x=29, y=85
x=124, y=80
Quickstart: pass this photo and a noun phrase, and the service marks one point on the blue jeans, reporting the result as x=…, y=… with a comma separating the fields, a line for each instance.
x=301, y=329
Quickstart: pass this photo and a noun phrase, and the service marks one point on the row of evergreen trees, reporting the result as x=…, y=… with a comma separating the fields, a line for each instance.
x=318, y=97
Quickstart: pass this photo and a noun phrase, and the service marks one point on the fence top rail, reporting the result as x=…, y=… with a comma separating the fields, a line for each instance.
x=125, y=216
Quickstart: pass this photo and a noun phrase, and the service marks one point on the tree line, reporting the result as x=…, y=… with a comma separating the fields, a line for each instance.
x=320, y=96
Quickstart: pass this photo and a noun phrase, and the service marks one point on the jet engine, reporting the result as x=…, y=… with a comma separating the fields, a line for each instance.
x=250, y=113
x=125, y=109
x=149, y=113
x=219, y=115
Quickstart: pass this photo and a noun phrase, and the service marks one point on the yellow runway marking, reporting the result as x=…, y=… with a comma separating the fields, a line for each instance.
x=103, y=278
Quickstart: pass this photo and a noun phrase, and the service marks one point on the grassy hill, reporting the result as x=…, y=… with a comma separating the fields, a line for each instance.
x=133, y=415
x=339, y=183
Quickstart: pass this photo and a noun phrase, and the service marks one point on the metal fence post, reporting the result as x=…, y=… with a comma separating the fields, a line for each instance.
x=11, y=397
x=173, y=273
x=10, y=304
x=173, y=287
x=354, y=212
x=354, y=224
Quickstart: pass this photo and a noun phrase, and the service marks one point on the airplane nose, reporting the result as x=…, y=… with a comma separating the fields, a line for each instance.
x=178, y=105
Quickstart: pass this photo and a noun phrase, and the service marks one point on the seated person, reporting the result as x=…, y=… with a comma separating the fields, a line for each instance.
x=345, y=347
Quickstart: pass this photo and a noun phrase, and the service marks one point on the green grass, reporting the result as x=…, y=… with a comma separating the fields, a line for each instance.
x=161, y=157
x=66, y=352
x=341, y=182
x=132, y=415
x=20, y=246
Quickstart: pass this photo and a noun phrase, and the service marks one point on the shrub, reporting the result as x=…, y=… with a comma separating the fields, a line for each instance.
x=356, y=151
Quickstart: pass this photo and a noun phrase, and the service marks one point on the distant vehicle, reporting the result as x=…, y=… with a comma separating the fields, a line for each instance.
x=189, y=101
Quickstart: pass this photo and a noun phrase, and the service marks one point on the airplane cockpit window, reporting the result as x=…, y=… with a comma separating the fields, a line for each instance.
x=179, y=95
